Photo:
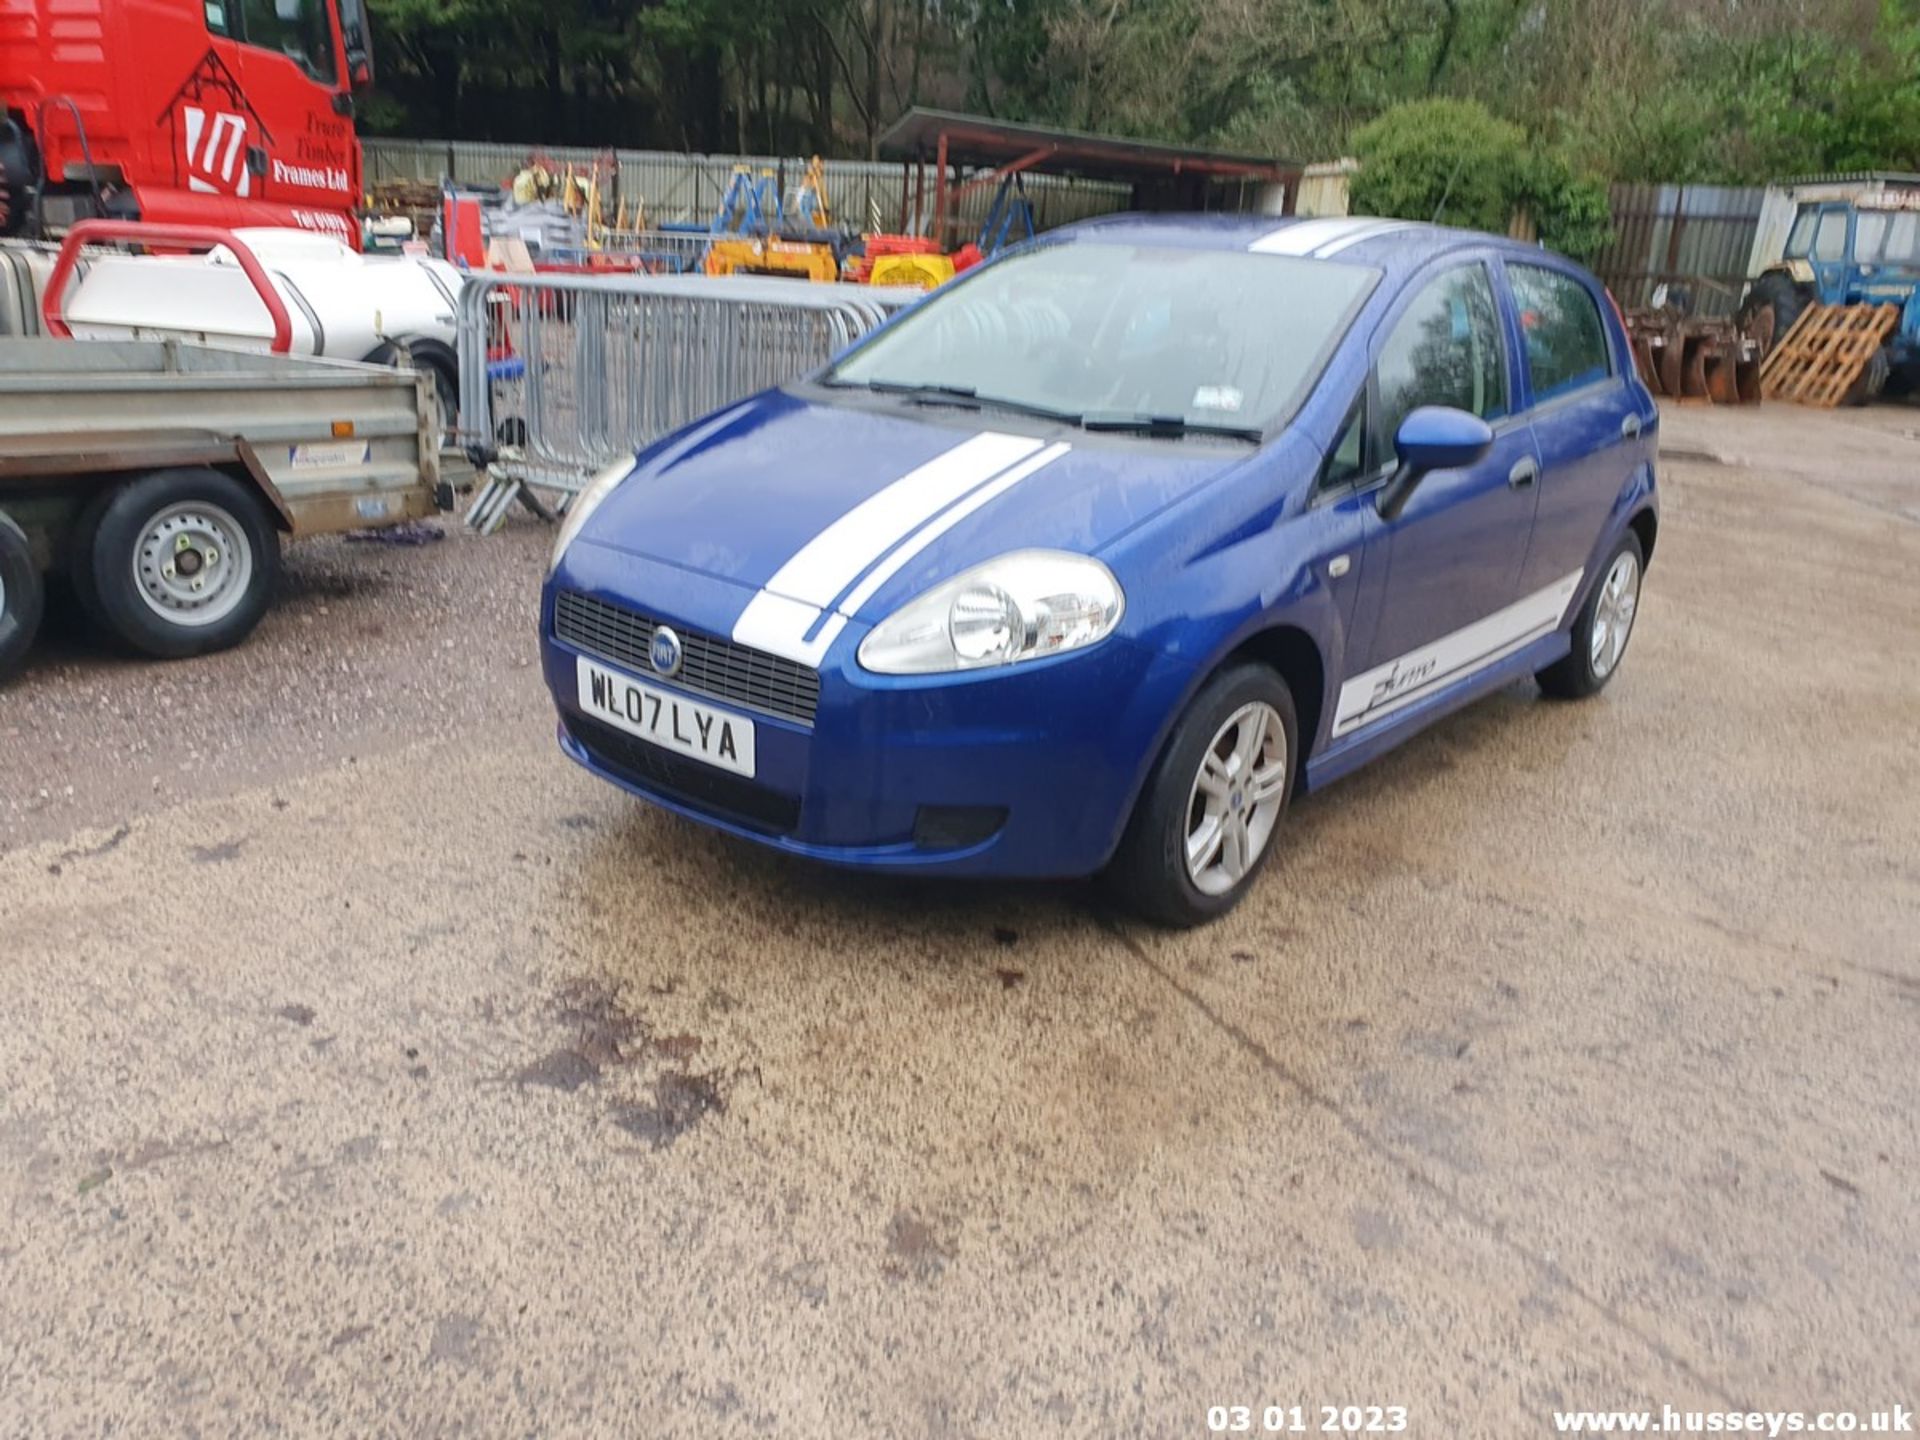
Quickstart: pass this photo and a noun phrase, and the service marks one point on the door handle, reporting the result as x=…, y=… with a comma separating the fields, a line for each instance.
x=1630, y=428
x=1523, y=473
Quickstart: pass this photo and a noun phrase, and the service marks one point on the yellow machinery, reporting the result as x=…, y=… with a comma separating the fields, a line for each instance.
x=924, y=271
x=754, y=234
x=764, y=255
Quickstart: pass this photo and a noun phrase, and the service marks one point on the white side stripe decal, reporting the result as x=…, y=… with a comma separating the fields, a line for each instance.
x=1393, y=686
x=781, y=616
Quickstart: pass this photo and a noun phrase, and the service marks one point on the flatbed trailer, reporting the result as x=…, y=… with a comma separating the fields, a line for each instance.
x=160, y=479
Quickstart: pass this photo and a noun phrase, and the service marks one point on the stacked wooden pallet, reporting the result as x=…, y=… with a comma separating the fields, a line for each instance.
x=1826, y=352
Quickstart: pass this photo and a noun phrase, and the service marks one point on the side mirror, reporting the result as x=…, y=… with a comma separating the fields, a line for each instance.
x=1434, y=437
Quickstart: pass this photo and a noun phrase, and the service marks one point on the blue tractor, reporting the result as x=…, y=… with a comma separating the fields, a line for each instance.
x=1863, y=250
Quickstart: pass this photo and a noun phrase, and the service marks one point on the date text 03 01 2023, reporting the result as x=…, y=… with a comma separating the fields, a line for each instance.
x=1307, y=1419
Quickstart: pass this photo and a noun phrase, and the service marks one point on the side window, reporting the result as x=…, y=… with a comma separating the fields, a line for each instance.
x=1566, y=340
x=1800, y=238
x=1347, y=461
x=1903, y=239
x=1830, y=240
x=1869, y=237
x=297, y=29
x=1444, y=350
x=217, y=22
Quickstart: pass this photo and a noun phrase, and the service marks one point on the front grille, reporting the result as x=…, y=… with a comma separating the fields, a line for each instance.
x=737, y=674
x=731, y=797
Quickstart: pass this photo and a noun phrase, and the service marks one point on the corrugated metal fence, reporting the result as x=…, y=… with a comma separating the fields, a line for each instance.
x=1691, y=233
x=688, y=187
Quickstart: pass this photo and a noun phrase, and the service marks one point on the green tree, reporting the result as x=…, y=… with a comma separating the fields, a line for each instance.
x=1449, y=161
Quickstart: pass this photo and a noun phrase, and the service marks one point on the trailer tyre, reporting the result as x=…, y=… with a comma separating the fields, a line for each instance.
x=183, y=562
x=80, y=558
x=22, y=596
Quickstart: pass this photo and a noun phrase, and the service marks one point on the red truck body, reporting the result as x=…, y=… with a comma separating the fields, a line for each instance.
x=210, y=112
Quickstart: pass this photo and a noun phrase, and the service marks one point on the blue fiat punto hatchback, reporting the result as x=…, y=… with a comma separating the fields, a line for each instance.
x=1097, y=556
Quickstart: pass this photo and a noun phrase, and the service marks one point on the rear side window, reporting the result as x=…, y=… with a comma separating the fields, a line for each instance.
x=1830, y=240
x=1566, y=341
x=1883, y=238
x=1444, y=350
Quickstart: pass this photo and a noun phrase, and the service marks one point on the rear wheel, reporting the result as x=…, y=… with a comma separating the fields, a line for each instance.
x=1601, y=633
x=1205, y=823
x=1873, y=380
x=182, y=562
x=1771, y=307
x=22, y=596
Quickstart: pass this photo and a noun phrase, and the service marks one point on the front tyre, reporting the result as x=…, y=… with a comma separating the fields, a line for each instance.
x=1605, y=626
x=1206, y=821
x=183, y=562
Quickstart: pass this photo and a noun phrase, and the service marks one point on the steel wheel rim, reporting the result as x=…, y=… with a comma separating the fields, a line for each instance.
x=1234, y=802
x=1613, y=614
x=192, y=564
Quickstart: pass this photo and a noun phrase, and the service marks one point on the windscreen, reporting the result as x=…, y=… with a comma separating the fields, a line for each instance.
x=1206, y=337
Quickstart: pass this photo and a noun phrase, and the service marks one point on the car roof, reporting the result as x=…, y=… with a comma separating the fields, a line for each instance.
x=1395, y=247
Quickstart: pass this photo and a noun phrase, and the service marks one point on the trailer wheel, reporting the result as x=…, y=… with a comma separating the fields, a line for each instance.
x=22, y=596
x=80, y=558
x=183, y=562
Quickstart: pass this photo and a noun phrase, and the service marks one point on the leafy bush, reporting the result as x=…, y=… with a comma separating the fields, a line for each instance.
x=1449, y=161
x=1570, y=210
x=1457, y=163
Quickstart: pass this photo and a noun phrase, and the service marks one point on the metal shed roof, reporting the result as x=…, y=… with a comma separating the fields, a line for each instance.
x=983, y=141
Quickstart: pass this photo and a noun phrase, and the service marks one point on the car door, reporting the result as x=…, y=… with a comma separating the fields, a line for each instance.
x=1452, y=557
x=1589, y=418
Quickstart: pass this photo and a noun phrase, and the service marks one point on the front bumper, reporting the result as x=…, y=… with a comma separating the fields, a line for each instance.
x=1027, y=771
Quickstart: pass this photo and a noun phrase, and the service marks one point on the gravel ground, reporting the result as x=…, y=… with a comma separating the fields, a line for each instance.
x=370, y=647
x=371, y=1071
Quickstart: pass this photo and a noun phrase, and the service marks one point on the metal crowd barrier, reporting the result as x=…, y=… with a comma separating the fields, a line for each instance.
x=562, y=374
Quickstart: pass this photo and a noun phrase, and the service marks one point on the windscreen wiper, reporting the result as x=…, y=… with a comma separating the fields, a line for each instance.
x=1168, y=427
x=962, y=395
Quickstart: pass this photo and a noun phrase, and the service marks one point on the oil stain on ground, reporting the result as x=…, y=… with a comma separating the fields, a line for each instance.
x=605, y=1035
x=915, y=1250
x=681, y=1100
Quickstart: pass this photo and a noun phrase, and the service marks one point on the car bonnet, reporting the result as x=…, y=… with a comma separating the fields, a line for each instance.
x=834, y=511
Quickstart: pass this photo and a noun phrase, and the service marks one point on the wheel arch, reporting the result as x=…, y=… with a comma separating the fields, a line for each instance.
x=1645, y=524
x=1295, y=656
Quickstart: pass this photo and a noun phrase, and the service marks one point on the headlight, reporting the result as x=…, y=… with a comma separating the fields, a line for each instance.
x=1022, y=606
x=588, y=500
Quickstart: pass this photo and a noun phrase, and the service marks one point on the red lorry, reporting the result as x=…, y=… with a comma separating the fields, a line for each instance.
x=210, y=112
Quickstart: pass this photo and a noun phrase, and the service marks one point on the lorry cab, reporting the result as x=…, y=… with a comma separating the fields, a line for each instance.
x=212, y=112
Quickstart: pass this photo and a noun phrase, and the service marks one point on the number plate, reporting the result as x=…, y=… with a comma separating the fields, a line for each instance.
x=667, y=719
